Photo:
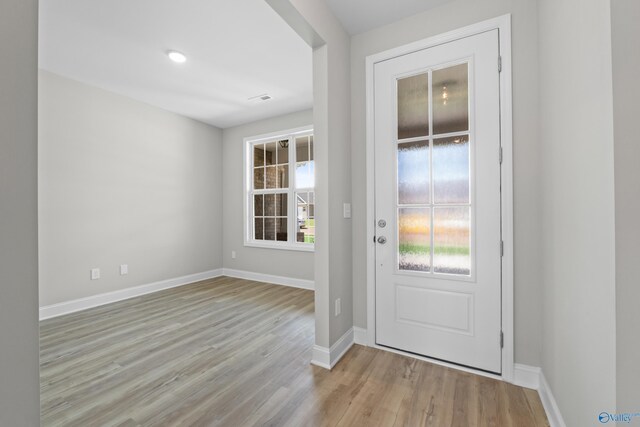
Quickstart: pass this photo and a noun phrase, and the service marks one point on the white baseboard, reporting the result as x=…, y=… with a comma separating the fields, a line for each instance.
x=526, y=376
x=321, y=357
x=360, y=336
x=67, y=307
x=268, y=278
x=532, y=377
x=328, y=357
x=549, y=403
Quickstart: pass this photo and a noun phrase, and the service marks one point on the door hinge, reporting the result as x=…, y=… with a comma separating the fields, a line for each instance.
x=499, y=64
x=501, y=339
x=501, y=248
x=500, y=155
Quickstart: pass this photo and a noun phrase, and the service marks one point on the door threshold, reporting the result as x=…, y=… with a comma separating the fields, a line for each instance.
x=443, y=363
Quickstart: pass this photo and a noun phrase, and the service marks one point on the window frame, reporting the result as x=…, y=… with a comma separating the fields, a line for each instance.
x=292, y=205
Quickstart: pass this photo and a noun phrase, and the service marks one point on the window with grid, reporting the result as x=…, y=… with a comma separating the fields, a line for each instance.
x=280, y=191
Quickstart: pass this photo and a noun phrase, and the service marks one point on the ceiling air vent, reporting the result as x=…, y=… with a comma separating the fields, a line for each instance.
x=263, y=97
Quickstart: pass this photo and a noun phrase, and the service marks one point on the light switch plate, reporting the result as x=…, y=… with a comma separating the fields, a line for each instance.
x=124, y=269
x=95, y=273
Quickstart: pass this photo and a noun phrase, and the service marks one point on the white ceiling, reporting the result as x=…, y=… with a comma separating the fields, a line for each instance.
x=235, y=49
x=358, y=16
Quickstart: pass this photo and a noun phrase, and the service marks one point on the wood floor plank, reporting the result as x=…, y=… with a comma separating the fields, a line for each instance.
x=233, y=352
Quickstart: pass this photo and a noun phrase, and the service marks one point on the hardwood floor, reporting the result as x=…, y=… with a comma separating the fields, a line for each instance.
x=231, y=352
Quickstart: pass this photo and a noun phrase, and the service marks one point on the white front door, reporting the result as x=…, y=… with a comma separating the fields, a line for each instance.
x=437, y=202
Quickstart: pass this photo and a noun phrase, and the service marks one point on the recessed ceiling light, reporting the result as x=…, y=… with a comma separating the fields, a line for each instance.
x=176, y=56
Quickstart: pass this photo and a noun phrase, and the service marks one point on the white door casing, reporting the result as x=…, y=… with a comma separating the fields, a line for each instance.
x=443, y=299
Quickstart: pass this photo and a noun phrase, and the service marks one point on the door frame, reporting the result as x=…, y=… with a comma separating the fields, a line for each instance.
x=503, y=25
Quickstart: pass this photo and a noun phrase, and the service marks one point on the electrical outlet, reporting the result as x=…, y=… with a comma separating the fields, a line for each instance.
x=233, y=254
x=95, y=273
x=346, y=210
x=338, y=307
x=124, y=269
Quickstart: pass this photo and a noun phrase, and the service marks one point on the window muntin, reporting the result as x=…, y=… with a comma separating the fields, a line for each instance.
x=280, y=192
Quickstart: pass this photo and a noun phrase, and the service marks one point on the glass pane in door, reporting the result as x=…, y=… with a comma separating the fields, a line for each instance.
x=414, y=239
x=451, y=243
x=451, y=170
x=451, y=99
x=413, y=106
x=413, y=173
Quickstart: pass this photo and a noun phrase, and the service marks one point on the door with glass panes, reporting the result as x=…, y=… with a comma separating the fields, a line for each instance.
x=437, y=202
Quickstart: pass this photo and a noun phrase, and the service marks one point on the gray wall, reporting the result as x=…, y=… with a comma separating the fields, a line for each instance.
x=316, y=24
x=19, y=382
x=625, y=16
x=122, y=182
x=332, y=118
x=448, y=17
x=577, y=232
x=267, y=261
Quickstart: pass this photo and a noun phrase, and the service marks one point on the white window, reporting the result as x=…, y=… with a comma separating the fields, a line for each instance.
x=279, y=190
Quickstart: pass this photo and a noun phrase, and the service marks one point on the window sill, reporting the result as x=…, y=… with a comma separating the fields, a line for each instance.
x=284, y=246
